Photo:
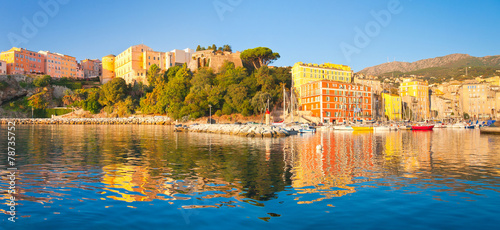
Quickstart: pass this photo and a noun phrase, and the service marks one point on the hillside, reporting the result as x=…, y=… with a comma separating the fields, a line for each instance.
x=439, y=65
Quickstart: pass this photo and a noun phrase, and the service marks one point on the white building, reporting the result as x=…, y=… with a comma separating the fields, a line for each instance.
x=179, y=57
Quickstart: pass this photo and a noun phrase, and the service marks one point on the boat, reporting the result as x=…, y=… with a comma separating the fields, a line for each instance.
x=440, y=125
x=342, y=128
x=362, y=128
x=422, y=127
x=381, y=128
x=291, y=131
x=469, y=126
x=458, y=125
x=405, y=127
x=305, y=128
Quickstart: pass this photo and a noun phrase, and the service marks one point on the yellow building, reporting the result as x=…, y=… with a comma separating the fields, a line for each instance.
x=392, y=105
x=108, y=68
x=415, y=93
x=133, y=63
x=305, y=73
x=493, y=80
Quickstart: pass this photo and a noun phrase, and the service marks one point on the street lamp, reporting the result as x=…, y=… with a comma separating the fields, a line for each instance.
x=210, y=119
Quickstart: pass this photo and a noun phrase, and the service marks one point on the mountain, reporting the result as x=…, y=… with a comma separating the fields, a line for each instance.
x=450, y=62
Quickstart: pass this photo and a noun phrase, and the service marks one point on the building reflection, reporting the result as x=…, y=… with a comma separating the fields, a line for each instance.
x=330, y=172
x=147, y=163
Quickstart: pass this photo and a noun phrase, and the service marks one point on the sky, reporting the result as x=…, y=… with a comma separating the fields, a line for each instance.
x=360, y=33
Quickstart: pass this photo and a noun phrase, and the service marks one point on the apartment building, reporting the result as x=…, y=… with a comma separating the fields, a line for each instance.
x=59, y=65
x=415, y=93
x=335, y=101
x=23, y=61
x=305, y=73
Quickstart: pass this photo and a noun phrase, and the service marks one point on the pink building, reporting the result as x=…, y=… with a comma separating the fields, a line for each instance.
x=3, y=67
x=92, y=68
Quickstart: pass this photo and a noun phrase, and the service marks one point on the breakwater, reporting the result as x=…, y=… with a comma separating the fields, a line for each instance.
x=240, y=130
x=89, y=121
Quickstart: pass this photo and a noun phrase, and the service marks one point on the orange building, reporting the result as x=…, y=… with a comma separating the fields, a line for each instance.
x=335, y=101
x=23, y=61
x=60, y=65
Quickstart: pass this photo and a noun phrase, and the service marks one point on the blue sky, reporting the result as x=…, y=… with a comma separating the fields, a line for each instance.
x=306, y=31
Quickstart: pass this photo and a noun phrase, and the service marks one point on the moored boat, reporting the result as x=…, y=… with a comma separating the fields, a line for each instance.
x=307, y=129
x=362, y=128
x=381, y=128
x=422, y=127
x=342, y=127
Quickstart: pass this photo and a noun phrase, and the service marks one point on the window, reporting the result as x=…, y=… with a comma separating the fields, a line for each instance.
x=327, y=98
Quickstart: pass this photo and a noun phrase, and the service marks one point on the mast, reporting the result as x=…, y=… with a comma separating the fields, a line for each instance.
x=291, y=101
x=284, y=103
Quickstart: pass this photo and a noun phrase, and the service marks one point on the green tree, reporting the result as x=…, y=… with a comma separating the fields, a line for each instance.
x=227, y=48
x=259, y=56
x=113, y=91
x=198, y=48
x=259, y=101
x=214, y=47
x=42, y=81
x=153, y=75
x=91, y=103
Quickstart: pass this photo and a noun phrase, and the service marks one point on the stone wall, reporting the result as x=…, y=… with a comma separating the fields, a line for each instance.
x=214, y=60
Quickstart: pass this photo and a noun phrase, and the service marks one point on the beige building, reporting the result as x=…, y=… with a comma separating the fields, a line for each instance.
x=442, y=108
x=133, y=63
x=478, y=100
x=374, y=84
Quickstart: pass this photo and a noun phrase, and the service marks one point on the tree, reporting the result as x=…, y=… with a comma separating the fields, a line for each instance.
x=259, y=56
x=153, y=75
x=214, y=47
x=113, y=91
x=227, y=48
x=39, y=100
x=92, y=104
x=198, y=48
x=42, y=81
x=259, y=101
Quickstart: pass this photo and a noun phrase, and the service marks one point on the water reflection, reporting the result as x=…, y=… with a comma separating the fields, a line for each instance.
x=151, y=163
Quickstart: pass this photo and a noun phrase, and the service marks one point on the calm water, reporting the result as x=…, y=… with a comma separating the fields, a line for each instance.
x=147, y=177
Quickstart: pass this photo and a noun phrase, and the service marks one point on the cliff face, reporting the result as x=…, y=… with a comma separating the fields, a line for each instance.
x=13, y=89
x=452, y=60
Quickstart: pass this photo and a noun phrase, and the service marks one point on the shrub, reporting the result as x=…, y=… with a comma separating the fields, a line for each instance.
x=3, y=85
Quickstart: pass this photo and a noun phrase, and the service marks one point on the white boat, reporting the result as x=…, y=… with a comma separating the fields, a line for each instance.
x=381, y=128
x=458, y=125
x=305, y=128
x=440, y=125
x=343, y=127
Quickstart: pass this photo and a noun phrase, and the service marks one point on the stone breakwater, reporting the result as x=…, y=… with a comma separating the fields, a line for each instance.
x=88, y=121
x=240, y=130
